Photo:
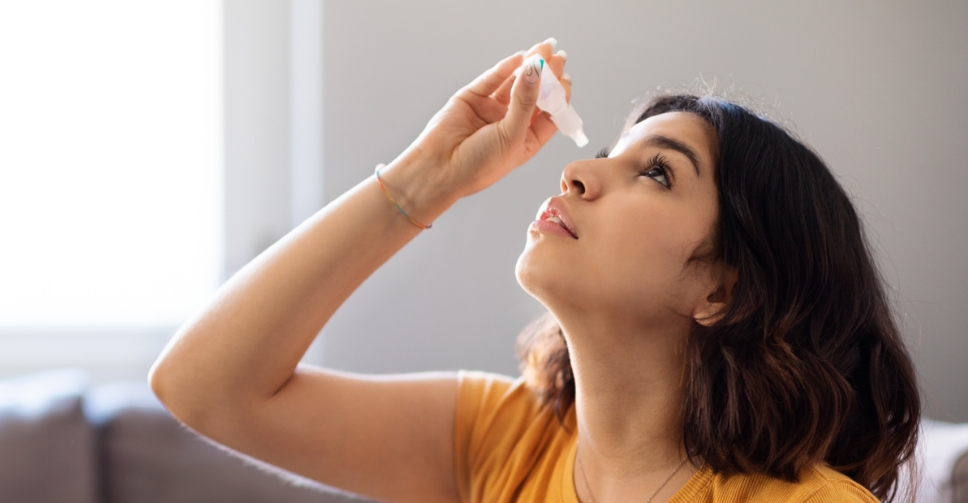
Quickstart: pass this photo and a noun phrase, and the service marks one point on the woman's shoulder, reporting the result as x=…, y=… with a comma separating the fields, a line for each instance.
x=480, y=395
x=818, y=483
x=830, y=485
x=488, y=402
x=485, y=384
x=502, y=431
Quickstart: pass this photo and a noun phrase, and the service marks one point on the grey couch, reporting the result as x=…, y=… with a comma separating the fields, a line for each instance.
x=63, y=440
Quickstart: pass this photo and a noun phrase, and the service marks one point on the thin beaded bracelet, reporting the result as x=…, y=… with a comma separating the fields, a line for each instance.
x=385, y=191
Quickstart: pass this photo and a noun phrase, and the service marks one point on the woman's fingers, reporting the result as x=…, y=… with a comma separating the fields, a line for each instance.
x=514, y=92
x=544, y=49
x=503, y=93
x=557, y=63
x=566, y=83
x=524, y=98
x=489, y=81
x=543, y=129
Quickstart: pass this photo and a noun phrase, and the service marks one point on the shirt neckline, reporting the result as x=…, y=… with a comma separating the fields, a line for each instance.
x=688, y=492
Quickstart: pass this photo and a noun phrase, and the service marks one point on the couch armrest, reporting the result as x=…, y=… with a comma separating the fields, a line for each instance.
x=149, y=457
x=47, y=448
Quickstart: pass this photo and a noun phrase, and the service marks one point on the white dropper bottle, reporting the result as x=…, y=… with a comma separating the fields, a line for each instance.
x=551, y=99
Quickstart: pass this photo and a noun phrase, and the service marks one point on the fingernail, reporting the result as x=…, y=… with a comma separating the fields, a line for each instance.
x=532, y=69
x=565, y=76
x=562, y=54
x=522, y=53
x=553, y=41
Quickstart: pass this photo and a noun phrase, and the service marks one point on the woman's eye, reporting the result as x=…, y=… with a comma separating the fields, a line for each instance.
x=659, y=175
x=658, y=171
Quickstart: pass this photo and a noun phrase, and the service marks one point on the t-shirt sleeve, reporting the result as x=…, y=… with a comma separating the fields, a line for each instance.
x=491, y=408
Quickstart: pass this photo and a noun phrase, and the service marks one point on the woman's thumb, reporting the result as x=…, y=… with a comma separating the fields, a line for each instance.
x=524, y=97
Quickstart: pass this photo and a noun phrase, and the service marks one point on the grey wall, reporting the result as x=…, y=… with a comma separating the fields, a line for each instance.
x=273, y=129
x=878, y=88
x=257, y=126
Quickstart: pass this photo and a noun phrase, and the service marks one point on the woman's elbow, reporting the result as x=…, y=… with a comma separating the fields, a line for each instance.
x=171, y=389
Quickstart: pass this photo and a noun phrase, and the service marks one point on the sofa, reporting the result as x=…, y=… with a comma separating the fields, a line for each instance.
x=65, y=440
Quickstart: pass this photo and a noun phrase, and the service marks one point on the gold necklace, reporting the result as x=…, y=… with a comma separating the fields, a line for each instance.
x=591, y=497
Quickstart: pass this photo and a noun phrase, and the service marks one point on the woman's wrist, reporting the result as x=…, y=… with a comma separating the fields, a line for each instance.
x=420, y=186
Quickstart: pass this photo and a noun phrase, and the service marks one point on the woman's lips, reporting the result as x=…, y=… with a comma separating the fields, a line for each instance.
x=553, y=217
x=551, y=227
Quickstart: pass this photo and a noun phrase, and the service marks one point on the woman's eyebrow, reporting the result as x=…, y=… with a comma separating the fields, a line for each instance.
x=659, y=141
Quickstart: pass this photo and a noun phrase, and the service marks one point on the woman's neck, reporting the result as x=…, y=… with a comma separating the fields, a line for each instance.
x=629, y=390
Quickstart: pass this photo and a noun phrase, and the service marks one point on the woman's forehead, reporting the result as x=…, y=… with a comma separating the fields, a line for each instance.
x=683, y=127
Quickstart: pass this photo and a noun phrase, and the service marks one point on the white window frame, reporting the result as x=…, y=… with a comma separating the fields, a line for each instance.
x=272, y=177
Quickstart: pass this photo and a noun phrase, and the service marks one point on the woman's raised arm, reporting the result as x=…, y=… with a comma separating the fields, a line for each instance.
x=232, y=373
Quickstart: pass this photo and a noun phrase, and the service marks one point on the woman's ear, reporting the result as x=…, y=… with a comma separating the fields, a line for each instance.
x=713, y=307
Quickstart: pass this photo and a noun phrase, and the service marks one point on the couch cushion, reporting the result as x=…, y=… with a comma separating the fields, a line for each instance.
x=149, y=457
x=959, y=480
x=47, y=448
x=940, y=447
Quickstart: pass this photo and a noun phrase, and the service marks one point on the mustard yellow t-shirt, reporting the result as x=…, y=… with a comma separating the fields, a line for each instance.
x=508, y=449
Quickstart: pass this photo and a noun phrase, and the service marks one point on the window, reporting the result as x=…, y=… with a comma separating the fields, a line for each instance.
x=110, y=169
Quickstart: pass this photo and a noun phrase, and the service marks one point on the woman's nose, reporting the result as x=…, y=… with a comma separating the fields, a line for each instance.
x=581, y=178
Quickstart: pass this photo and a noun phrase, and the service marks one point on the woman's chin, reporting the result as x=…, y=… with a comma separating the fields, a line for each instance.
x=538, y=276
x=528, y=272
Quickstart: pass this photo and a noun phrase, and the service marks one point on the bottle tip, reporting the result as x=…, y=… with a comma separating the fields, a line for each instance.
x=580, y=139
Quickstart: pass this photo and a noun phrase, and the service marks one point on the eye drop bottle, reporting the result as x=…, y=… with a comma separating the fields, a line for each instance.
x=551, y=99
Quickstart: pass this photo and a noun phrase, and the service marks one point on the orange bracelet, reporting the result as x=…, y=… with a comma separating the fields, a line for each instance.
x=385, y=191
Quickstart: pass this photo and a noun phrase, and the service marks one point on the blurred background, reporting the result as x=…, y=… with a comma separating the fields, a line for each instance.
x=148, y=150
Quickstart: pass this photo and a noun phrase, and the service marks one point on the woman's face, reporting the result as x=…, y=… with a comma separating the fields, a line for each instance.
x=634, y=219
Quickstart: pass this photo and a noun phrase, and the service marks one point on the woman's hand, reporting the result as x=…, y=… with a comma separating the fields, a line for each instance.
x=489, y=127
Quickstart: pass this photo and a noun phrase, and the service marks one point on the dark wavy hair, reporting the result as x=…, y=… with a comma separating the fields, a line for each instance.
x=807, y=364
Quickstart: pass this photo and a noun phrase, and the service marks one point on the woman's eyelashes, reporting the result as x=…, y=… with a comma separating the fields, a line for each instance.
x=658, y=169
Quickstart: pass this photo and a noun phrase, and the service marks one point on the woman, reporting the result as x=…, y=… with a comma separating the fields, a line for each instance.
x=717, y=331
